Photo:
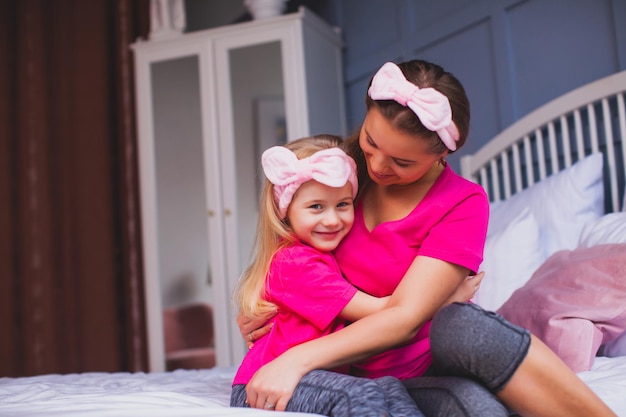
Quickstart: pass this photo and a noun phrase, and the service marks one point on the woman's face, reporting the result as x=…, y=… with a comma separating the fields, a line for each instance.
x=393, y=157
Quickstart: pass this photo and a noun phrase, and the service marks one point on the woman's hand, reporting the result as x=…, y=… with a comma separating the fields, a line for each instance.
x=272, y=385
x=467, y=289
x=253, y=329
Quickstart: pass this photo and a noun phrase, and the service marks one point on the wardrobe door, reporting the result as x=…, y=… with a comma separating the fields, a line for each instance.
x=181, y=188
x=252, y=118
x=173, y=184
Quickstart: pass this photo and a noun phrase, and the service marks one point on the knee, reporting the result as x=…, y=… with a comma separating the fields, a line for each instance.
x=456, y=325
x=464, y=333
x=467, y=340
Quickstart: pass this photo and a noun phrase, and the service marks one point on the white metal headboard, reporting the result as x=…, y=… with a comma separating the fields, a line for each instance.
x=589, y=119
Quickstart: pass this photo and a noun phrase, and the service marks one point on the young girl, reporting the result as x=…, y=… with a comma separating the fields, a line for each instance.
x=306, y=210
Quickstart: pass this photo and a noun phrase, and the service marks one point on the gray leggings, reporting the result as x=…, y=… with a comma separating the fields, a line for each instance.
x=475, y=353
x=332, y=394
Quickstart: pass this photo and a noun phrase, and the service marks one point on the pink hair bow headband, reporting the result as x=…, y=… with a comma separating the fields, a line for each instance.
x=282, y=168
x=432, y=107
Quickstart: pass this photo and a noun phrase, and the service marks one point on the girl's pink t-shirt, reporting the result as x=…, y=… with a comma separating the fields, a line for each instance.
x=450, y=224
x=310, y=292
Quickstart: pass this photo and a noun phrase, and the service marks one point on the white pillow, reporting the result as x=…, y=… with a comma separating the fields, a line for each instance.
x=511, y=257
x=562, y=204
x=610, y=228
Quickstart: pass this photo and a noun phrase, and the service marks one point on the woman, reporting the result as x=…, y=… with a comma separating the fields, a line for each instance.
x=419, y=230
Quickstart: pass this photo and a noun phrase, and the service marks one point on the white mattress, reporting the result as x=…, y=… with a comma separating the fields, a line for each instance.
x=192, y=393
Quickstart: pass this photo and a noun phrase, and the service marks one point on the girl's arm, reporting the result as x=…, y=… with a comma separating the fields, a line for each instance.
x=253, y=329
x=362, y=305
x=467, y=289
x=427, y=285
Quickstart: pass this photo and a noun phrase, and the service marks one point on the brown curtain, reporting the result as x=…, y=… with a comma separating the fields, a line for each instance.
x=71, y=295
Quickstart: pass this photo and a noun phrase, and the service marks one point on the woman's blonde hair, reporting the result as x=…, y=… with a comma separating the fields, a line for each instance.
x=272, y=234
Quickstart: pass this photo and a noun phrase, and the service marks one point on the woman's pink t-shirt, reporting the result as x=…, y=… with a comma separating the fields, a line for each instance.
x=310, y=292
x=450, y=224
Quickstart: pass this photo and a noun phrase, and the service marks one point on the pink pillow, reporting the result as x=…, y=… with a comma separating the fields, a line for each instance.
x=574, y=302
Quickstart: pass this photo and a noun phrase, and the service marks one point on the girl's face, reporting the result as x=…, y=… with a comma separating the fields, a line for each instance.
x=321, y=215
x=393, y=157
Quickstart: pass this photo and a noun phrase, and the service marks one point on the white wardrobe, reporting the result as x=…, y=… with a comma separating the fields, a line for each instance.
x=208, y=104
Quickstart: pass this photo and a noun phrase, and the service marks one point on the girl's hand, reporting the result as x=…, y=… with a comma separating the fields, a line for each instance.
x=253, y=329
x=272, y=386
x=467, y=290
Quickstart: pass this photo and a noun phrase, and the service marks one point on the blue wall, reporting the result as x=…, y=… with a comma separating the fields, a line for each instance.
x=511, y=55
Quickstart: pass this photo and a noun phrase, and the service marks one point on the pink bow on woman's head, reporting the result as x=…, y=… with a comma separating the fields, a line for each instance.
x=432, y=107
x=282, y=168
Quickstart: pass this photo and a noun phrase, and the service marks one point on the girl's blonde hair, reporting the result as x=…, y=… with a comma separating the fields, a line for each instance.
x=273, y=234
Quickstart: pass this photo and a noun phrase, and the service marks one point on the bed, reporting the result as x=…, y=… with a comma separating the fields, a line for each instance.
x=556, y=181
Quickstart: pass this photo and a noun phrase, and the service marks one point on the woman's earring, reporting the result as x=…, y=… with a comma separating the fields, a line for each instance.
x=443, y=161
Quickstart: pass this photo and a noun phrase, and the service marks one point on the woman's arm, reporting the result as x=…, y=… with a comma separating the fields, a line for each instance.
x=427, y=285
x=252, y=329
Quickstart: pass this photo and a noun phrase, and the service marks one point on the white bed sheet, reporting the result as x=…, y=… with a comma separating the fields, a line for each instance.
x=193, y=393
x=179, y=393
x=607, y=378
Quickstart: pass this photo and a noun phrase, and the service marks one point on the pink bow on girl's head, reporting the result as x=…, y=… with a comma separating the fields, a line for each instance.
x=432, y=107
x=282, y=168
